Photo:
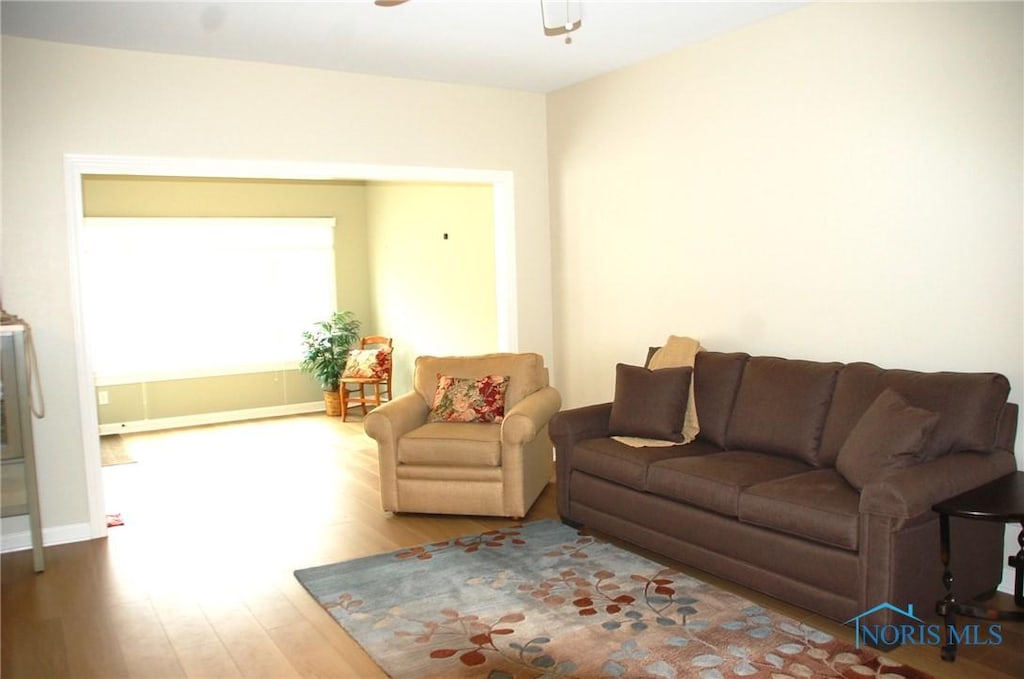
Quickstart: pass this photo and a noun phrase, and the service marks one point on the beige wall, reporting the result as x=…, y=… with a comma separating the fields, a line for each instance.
x=59, y=99
x=177, y=400
x=432, y=295
x=129, y=405
x=841, y=182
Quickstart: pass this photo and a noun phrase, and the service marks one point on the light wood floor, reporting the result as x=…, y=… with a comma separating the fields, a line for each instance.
x=198, y=582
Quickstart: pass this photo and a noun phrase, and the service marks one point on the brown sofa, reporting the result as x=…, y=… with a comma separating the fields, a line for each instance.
x=758, y=497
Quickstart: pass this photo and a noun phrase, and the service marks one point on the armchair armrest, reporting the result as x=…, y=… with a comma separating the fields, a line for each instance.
x=913, y=491
x=589, y=422
x=527, y=418
x=386, y=424
x=396, y=418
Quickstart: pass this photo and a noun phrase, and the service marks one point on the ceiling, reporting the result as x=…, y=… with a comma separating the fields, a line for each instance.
x=492, y=43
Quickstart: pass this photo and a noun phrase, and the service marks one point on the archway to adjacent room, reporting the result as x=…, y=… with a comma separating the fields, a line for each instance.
x=76, y=167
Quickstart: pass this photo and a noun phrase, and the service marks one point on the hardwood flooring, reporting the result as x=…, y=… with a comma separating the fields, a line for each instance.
x=198, y=581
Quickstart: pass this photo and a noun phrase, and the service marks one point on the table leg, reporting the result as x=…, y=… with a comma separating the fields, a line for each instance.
x=947, y=606
x=1017, y=562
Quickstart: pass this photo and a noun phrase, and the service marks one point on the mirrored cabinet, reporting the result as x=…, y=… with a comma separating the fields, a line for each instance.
x=18, y=488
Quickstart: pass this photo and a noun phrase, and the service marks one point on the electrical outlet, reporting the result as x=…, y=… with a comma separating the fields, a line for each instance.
x=103, y=397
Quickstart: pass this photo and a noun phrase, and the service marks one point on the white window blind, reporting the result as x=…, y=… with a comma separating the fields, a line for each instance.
x=183, y=297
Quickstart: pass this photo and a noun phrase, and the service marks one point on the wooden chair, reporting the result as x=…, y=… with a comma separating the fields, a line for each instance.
x=365, y=373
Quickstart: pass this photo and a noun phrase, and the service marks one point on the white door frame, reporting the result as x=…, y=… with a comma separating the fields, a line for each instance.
x=76, y=166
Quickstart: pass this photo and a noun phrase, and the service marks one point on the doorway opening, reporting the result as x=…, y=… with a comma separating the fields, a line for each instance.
x=78, y=166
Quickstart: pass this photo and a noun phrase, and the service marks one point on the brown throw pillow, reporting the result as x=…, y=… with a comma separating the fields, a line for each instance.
x=889, y=435
x=649, y=403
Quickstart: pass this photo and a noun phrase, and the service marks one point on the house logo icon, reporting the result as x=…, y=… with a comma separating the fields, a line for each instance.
x=881, y=633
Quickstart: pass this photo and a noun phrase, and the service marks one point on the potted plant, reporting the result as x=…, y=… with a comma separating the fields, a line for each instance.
x=327, y=347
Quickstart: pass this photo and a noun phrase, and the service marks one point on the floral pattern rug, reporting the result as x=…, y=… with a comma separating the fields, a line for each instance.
x=542, y=600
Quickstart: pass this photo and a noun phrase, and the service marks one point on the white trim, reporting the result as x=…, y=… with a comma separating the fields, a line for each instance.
x=505, y=263
x=77, y=165
x=210, y=418
x=1008, y=580
x=55, y=535
x=88, y=416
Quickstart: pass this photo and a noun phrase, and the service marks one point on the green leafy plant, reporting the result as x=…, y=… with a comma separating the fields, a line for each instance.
x=327, y=347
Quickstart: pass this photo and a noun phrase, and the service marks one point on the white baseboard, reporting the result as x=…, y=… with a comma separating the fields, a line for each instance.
x=17, y=540
x=210, y=418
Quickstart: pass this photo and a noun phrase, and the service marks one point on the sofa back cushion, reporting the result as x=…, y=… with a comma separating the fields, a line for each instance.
x=716, y=380
x=781, y=407
x=969, y=406
x=526, y=373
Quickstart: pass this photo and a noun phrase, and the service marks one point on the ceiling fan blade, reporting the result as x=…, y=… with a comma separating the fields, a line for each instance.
x=389, y=3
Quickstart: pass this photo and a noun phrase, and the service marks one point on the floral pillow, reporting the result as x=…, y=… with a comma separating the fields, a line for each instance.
x=368, y=363
x=464, y=399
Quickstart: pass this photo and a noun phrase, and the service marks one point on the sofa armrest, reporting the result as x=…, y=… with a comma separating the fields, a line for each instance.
x=589, y=422
x=527, y=418
x=566, y=429
x=913, y=491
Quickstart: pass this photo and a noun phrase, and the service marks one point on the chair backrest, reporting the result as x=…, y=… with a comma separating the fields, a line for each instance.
x=526, y=373
x=371, y=365
x=377, y=342
x=371, y=341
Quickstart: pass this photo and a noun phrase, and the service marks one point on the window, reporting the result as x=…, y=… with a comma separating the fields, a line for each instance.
x=184, y=297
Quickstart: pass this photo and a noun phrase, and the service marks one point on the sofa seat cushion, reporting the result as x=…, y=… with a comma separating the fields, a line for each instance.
x=818, y=505
x=452, y=443
x=716, y=481
x=617, y=462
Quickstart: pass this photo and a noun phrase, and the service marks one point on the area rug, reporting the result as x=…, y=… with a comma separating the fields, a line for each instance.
x=542, y=600
x=113, y=451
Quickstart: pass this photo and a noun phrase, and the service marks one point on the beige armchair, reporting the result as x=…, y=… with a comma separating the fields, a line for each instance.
x=490, y=469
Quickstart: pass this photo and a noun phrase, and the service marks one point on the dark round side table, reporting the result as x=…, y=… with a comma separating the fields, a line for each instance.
x=1000, y=500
